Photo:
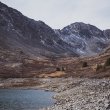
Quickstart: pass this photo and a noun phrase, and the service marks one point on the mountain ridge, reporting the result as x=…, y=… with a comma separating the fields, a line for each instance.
x=36, y=38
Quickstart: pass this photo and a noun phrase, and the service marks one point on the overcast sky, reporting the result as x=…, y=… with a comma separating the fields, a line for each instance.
x=60, y=13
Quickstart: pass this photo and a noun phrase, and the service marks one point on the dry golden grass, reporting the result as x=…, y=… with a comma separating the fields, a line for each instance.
x=53, y=75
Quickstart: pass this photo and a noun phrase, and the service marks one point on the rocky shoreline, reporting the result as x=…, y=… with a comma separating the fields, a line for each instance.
x=81, y=94
x=71, y=93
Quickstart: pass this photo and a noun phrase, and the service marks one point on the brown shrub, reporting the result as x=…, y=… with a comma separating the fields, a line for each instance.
x=58, y=69
x=84, y=64
x=107, y=62
x=98, y=67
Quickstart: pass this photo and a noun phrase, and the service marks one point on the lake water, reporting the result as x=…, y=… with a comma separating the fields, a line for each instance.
x=14, y=99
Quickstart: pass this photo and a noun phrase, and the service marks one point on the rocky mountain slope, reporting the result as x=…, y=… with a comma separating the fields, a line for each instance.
x=35, y=38
x=86, y=39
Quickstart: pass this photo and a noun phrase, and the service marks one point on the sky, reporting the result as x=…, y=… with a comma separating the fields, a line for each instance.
x=60, y=13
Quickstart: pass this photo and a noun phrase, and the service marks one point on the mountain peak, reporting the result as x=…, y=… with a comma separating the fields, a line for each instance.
x=80, y=26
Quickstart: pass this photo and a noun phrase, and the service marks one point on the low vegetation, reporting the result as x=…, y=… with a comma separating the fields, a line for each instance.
x=103, y=66
x=100, y=67
x=107, y=63
x=60, y=69
x=84, y=64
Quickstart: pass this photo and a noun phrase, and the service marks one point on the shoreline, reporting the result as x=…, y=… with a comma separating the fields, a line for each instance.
x=71, y=93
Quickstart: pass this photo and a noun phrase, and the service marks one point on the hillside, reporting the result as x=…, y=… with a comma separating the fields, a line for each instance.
x=29, y=48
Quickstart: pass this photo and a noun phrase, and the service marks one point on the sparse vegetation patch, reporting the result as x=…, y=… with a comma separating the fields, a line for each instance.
x=84, y=64
x=107, y=62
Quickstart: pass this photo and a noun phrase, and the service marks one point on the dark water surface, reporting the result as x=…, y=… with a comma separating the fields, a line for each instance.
x=14, y=99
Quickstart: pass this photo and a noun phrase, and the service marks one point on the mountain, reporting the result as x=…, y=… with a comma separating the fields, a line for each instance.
x=22, y=40
x=36, y=39
x=33, y=37
x=86, y=39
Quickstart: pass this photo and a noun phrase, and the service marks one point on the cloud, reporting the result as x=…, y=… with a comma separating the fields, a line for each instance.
x=59, y=13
